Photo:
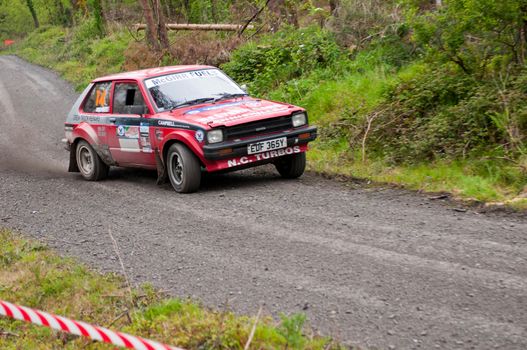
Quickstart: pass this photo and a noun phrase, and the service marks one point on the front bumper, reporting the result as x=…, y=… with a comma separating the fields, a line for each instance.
x=239, y=148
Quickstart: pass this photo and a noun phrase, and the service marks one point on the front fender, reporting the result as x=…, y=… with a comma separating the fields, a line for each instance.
x=187, y=138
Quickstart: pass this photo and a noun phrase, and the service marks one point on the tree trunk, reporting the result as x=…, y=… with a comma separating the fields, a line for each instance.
x=162, y=33
x=150, y=25
x=523, y=35
x=33, y=12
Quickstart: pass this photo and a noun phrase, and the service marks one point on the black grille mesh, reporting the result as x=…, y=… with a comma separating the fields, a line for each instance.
x=258, y=127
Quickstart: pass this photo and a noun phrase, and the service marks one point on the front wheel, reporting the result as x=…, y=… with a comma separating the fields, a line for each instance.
x=90, y=165
x=184, y=170
x=292, y=166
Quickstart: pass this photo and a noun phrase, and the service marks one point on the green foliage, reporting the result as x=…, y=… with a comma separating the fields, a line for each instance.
x=79, y=54
x=15, y=19
x=444, y=113
x=291, y=329
x=473, y=34
x=283, y=56
x=97, y=16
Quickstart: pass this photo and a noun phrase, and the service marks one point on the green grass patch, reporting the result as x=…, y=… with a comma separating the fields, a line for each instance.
x=34, y=276
x=491, y=181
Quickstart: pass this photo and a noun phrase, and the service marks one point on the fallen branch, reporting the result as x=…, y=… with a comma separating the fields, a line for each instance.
x=256, y=14
x=8, y=334
x=441, y=196
x=182, y=26
x=370, y=120
x=129, y=286
x=121, y=315
x=253, y=330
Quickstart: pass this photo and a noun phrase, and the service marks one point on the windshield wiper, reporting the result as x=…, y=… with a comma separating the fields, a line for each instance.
x=193, y=102
x=226, y=95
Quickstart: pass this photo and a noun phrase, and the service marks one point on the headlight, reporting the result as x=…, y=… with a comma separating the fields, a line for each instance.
x=299, y=119
x=215, y=136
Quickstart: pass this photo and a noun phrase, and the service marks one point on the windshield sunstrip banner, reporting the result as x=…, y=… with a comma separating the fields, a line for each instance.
x=166, y=79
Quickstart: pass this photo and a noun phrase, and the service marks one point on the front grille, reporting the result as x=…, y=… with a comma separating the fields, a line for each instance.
x=257, y=128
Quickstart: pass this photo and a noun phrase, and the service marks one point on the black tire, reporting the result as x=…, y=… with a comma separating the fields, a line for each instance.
x=90, y=165
x=183, y=169
x=291, y=167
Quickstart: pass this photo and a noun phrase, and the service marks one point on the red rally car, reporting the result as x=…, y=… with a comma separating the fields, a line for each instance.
x=182, y=120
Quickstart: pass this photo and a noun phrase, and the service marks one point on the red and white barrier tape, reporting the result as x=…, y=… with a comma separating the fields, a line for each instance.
x=79, y=328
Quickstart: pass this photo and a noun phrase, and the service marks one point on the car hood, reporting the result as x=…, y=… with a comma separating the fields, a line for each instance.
x=233, y=112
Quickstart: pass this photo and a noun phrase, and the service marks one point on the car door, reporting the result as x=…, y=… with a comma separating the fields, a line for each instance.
x=128, y=131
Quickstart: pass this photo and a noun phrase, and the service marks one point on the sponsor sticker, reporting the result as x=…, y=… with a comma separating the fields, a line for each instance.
x=200, y=136
x=222, y=106
x=159, y=135
x=101, y=131
x=129, y=132
x=262, y=156
x=86, y=118
x=105, y=109
x=239, y=112
x=144, y=128
x=171, y=124
x=120, y=130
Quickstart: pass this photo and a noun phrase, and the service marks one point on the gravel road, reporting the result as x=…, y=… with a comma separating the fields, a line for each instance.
x=379, y=268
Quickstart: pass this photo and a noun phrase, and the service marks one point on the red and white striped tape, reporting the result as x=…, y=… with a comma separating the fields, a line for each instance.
x=79, y=328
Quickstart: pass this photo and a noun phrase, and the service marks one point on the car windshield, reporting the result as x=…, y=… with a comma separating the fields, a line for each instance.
x=188, y=88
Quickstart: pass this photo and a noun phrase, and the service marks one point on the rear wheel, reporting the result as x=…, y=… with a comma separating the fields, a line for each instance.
x=292, y=166
x=90, y=165
x=183, y=169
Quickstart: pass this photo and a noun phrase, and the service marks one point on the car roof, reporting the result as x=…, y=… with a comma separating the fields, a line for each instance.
x=150, y=72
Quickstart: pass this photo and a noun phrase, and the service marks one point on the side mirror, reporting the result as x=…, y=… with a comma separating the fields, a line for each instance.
x=244, y=87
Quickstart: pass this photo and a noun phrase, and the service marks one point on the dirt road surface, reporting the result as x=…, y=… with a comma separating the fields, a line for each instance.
x=380, y=268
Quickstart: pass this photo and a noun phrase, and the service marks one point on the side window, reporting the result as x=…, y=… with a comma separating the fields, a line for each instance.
x=99, y=99
x=127, y=99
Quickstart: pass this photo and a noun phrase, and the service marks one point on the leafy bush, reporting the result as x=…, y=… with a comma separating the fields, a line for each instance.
x=291, y=329
x=444, y=113
x=472, y=33
x=282, y=56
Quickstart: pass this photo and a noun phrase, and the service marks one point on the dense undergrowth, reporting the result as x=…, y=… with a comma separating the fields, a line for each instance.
x=416, y=104
x=392, y=117
x=34, y=276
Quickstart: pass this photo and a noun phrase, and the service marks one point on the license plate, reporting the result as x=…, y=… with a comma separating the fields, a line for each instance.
x=269, y=145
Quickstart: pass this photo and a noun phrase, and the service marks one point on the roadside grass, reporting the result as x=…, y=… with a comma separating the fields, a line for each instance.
x=470, y=181
x=326, y=99
x=34, y=276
